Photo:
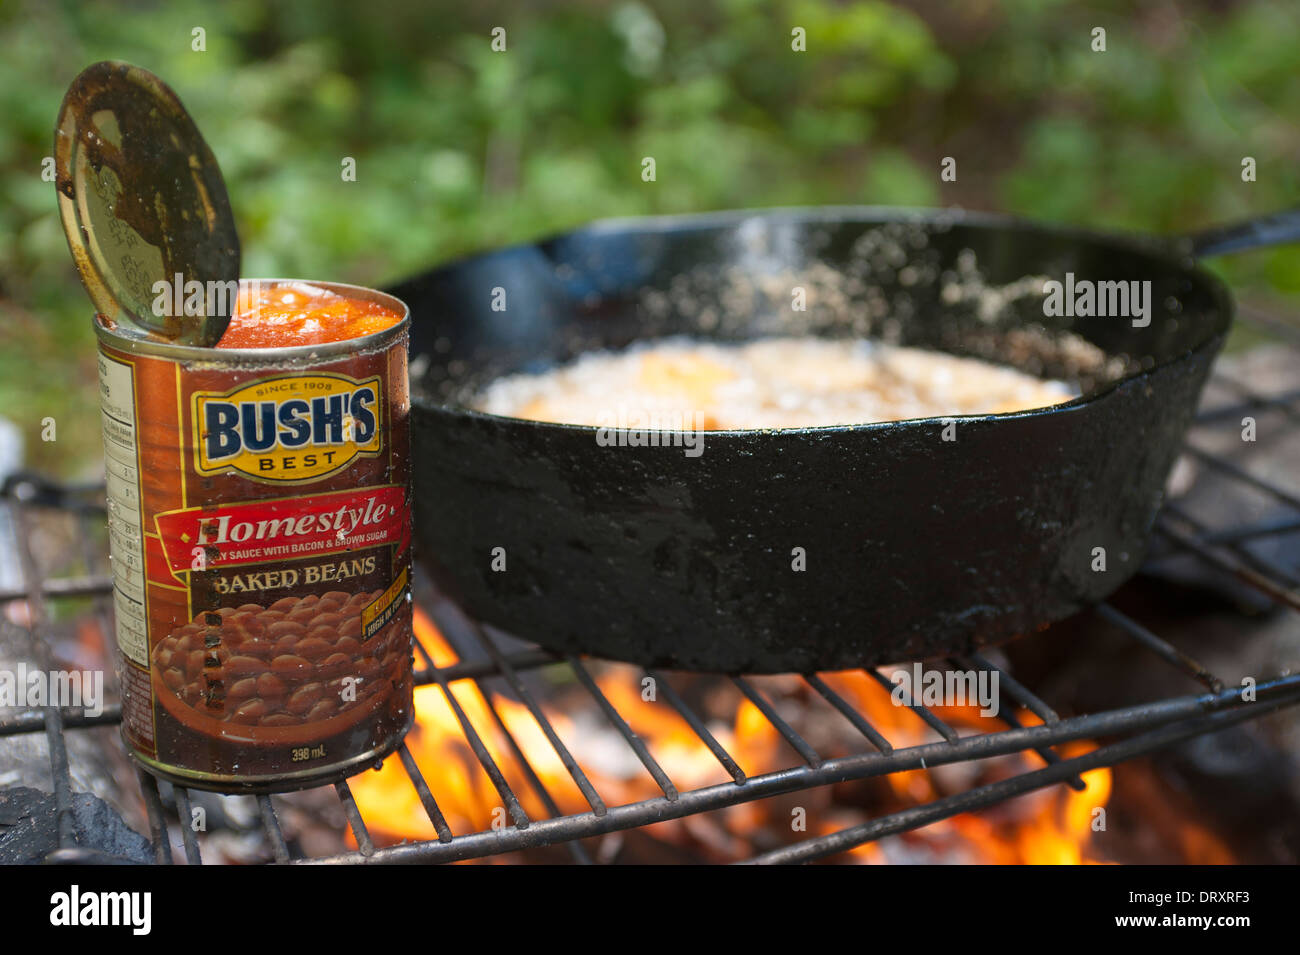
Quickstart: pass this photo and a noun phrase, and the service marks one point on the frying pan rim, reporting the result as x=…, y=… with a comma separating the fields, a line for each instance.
x=1151, y=246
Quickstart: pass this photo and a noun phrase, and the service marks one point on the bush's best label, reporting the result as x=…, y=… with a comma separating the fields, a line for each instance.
x=289, y=429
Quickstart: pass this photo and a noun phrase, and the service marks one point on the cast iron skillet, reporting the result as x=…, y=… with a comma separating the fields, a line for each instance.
x=913, y=545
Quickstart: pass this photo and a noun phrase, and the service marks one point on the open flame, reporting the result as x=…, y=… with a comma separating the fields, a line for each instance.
x=1050, y=826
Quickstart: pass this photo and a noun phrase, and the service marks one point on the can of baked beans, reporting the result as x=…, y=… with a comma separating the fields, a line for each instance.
x=259, y=519
x=257, y=459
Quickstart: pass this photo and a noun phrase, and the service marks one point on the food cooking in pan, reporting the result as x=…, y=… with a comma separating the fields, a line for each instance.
x=769, y=383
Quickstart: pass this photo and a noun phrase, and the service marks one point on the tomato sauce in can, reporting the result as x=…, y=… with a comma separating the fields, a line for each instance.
x=259, y=511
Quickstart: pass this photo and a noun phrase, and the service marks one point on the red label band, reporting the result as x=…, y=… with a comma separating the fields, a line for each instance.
x=230, y=535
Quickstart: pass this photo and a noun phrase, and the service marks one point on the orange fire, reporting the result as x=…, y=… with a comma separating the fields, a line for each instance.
x=1051, y=826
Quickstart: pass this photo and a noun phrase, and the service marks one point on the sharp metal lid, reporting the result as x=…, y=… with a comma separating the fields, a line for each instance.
x=142, y=202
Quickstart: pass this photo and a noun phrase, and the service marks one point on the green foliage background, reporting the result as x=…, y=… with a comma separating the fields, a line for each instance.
x=459, y=148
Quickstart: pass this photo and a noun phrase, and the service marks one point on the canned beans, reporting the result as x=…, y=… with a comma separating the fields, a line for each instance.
x=259, y=509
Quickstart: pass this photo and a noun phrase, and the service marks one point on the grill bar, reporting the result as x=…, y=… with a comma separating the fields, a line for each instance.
x=1279, y=403
x=1279, y=575
x=1022, y=696
x=426, y=795
x=1279, y=327
x=1239, y=535
x=522, y=660
x=475, y=741
x=1164, y=650
x=279, y=849
x=1015, y=689
x=616, y=720
x=60, y=771
x=579, y=777
x=697, y=726
x=454, y=628
x=1276, y=593
x=848, y=712
x=157, y=821
x=939, y=726
x=185, y=810
x=61, y=774
x=1239, y=473
x=1248, y=393
x=485, y=758
x=548, y=801
x=61, y=587
x=797, y=742
x=359, y=832
x=34, y=721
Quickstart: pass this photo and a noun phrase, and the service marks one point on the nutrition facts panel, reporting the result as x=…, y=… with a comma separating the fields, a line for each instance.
x=126, y=535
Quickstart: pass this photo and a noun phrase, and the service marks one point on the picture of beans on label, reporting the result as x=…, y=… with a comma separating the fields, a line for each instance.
x=296, y=664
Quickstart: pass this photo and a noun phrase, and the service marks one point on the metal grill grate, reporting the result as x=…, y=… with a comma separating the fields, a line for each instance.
x=1137, y=729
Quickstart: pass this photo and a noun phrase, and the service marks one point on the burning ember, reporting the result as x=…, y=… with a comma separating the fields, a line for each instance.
x=1050, y=826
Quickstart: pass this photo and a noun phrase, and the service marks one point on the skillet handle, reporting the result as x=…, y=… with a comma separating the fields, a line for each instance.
x=1252, y=234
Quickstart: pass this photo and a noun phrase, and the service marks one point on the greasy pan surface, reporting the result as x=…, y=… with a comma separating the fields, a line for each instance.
x=913, y=545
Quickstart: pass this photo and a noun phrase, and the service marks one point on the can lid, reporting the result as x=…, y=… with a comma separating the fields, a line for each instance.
x=142, y=202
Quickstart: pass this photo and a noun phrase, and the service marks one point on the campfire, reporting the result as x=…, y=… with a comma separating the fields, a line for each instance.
x=1056, y=825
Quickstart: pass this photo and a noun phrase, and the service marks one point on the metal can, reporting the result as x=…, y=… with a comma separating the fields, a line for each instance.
x=259, y=512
